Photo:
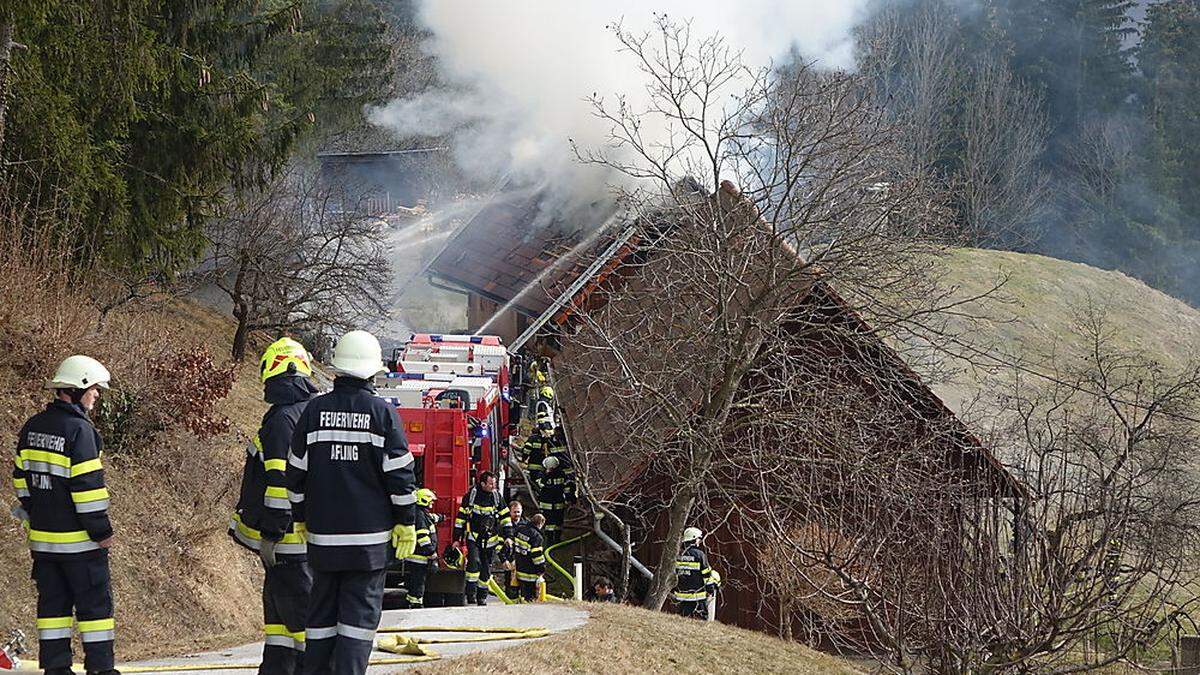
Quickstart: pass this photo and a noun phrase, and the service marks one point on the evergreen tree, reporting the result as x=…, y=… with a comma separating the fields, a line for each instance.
x=135, y=118
x=1170, y=60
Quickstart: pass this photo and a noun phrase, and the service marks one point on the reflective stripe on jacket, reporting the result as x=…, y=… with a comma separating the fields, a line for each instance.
x=59, y=480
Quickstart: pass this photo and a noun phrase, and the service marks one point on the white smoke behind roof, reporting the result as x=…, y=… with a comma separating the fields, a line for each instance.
x=518, y=72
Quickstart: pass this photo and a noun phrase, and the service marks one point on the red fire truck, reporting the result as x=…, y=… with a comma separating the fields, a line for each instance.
x=452, y=393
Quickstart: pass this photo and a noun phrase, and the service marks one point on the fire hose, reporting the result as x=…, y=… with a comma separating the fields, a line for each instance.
x=399, y=640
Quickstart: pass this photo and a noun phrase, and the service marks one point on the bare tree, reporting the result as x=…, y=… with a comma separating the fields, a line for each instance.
x=298, y=254
x=724, y=276
x=913, y=63
x=1089, y=563
x=1001, y=186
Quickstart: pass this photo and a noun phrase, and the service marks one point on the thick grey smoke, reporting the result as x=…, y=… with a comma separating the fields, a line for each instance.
x=518, y=72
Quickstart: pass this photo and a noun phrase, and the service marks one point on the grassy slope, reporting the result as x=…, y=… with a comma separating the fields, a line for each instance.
x=179, y=582
x=1033, y=314
x=622, y=639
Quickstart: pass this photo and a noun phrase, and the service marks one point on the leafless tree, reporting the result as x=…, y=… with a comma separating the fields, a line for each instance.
x=917, y=72
x=1001, y=186
x=1088, y=561
x=299, y=254
x=724, y=277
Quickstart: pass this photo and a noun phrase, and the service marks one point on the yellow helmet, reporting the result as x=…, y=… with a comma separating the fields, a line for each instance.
x=547, y=392
x=283, y=356
x=425, y=497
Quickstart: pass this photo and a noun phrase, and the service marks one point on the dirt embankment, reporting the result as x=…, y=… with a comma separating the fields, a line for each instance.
x=179, y=582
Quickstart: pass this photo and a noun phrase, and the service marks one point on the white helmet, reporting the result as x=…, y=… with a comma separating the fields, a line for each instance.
x=79, y=372
x=358, y=354
x=550, y=463
x=692, y=534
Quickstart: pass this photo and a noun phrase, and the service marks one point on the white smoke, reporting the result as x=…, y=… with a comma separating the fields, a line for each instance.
x=518, y=72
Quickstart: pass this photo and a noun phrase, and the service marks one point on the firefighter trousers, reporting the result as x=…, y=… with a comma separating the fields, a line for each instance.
x=343, y=614
x=479, y=569
x=85, y=587
x=286, y=587
x=529, y=590
x=695, y=609
x=555, y=516
x=414, y=582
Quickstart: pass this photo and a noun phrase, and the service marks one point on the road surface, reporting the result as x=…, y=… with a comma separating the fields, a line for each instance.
x=553, y=616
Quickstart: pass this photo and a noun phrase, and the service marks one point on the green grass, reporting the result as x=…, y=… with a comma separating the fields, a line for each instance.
x=1033, y=317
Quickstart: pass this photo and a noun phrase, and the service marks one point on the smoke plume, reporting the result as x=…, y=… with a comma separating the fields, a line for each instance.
x=516, y=73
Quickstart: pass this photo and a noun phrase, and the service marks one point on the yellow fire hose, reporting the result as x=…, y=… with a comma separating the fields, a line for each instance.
x=408, y=648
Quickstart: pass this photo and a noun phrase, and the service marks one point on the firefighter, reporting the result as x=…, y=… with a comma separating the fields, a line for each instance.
x=557, y=447
x=483, y=523
x=263, y=520
x=533, y=452
x=350, y=480
x=417, y=566
x=694, y=581
x=530, y=556
x=507, y=554
x=543, y=412
x=554, y=492
x=64, y=509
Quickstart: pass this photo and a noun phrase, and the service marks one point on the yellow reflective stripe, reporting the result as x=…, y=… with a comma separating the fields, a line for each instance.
x=96, y=624
x=20, y=484
x=17, y=460
x=53, y=622
x=275, y=465
x=257, y=443
x=31, y=455
x=87, y=466
x=89, y=495
x=58, y=537
x=294, y=537
x=280, y=629
x=280, y=492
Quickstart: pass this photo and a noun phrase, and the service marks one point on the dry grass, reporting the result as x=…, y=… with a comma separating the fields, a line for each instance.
x=626, y=639
x=1032, y=317
x=179, y=583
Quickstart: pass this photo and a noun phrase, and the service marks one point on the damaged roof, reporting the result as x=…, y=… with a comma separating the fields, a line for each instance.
x=519, y=248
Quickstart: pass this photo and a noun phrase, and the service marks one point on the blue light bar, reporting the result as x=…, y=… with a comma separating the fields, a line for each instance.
x=476, y=339
x=435, y=338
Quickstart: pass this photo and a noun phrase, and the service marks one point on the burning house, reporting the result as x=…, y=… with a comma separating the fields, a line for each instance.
x=533, y=286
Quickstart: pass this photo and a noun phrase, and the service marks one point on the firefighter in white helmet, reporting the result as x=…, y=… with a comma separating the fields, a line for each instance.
x=263, y=520
x=350, y=480
x=694, y=580
x=554, y=491
x=64, y=507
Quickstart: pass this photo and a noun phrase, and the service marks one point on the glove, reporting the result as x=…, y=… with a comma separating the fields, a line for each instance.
x=266, y=552
x=20, y=514
x=404, y=540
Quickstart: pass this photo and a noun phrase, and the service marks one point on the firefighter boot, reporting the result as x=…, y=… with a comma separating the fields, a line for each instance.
x=481, y=596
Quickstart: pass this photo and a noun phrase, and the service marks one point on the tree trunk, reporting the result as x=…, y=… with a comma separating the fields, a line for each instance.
x=664, y=569
x=6, y=49
x=241, y=311
x=240, y=335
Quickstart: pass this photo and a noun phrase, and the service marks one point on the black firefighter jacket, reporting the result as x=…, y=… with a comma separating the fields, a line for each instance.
x=350, y=477
x=60, y=482
x=263, y=508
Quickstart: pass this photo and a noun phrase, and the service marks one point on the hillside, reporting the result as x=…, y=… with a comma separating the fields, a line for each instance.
x=180, y=584
x=1033, y=319
x=626, y=639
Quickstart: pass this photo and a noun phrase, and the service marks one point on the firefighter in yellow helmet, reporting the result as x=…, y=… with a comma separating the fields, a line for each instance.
x=543, y=412
x=423, y=559
x=263, y=522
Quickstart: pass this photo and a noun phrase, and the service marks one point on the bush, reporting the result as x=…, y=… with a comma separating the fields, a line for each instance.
x=188, y=385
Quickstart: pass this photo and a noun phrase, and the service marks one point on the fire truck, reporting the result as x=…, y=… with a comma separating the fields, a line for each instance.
x=452, y=393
